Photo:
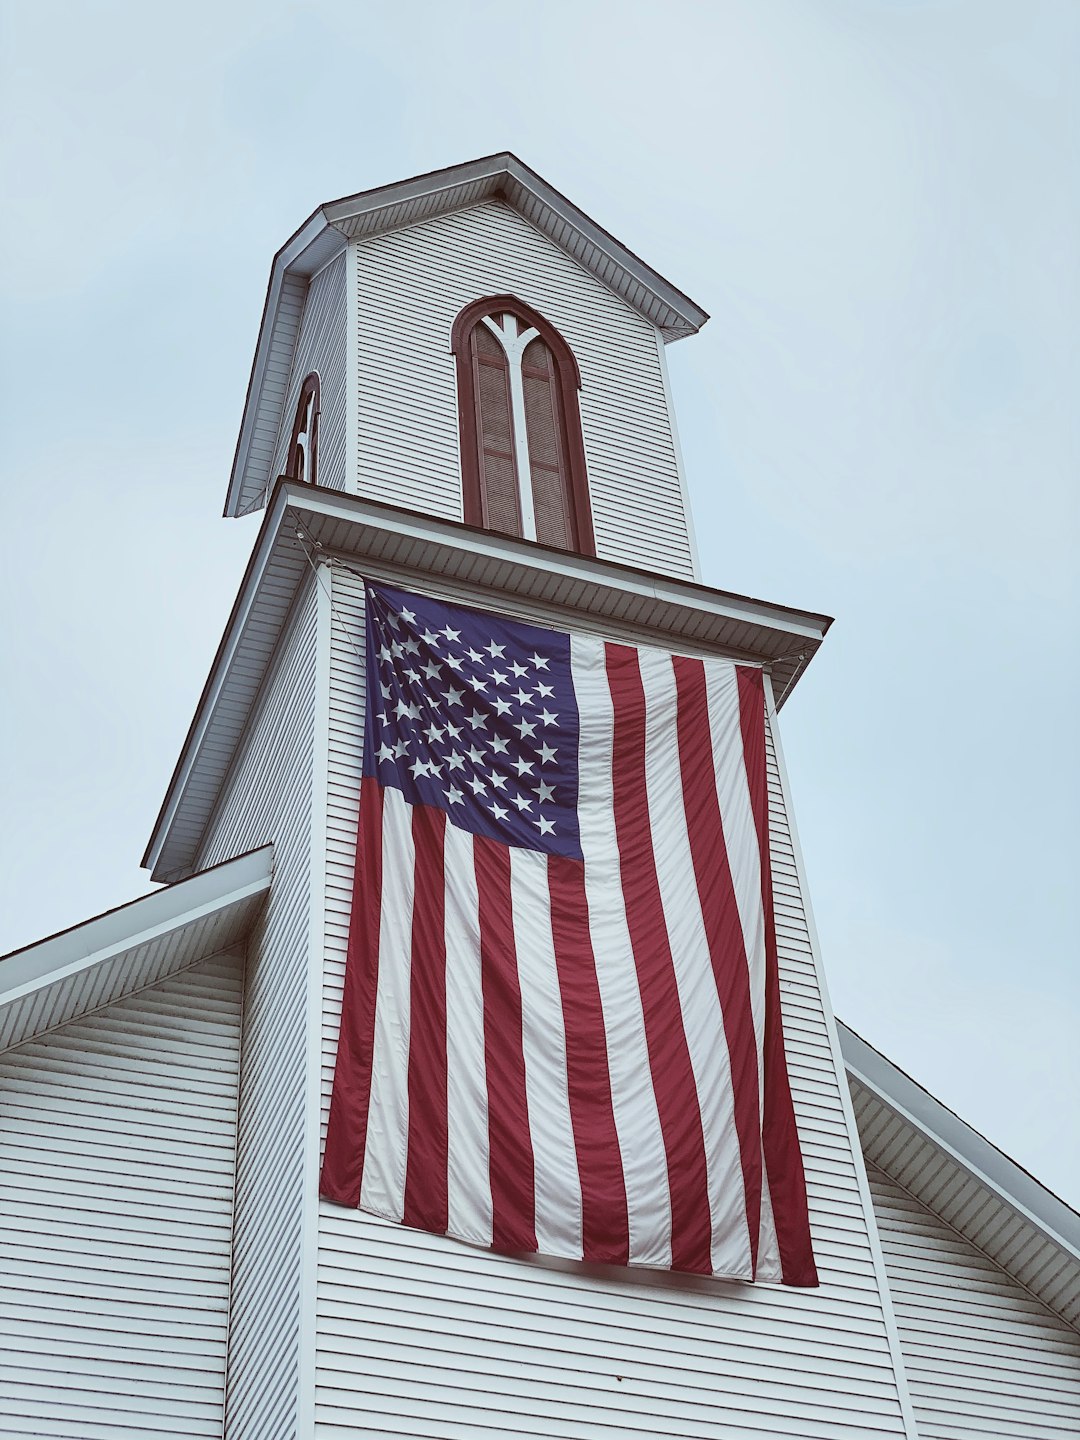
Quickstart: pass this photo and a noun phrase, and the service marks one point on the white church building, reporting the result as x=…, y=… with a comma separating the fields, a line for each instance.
x=459, y=389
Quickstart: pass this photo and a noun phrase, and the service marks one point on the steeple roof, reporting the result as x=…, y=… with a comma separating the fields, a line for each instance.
x=406, y=202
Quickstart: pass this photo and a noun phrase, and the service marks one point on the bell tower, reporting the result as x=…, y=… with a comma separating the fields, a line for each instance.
x=475, y=348
x=460, y=391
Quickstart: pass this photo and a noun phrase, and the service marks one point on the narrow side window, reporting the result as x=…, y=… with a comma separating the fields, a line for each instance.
x=301, y=462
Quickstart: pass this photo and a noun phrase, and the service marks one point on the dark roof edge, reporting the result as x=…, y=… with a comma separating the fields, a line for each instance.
x=149, y=915
x=506, y=161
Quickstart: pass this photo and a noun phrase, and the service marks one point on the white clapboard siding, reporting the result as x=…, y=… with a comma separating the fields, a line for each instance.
x=426, y=1337
x=117, y=1152
x=983, y=1356
x=267, y=799
x=320, y=346
x=410, y=286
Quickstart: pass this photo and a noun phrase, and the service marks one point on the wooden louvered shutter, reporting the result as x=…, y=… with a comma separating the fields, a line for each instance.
x=495, y=433
x=546, y=431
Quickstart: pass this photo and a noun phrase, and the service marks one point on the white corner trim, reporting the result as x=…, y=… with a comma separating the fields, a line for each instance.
x=352, y=368
x=680, y=466
x=885, y=1294
x=316, y=951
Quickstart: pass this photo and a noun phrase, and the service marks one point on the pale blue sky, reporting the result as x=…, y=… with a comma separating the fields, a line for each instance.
x=878, y=203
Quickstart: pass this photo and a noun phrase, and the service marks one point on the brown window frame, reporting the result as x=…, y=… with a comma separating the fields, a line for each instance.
x=569, y=378
x=311, y=387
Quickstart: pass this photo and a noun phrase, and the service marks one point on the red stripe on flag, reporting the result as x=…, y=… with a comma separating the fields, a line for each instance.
x=779, y=1136
x=513, y=1191
x=426, y=1203
x=669, y=1054
x=723, y=927
x=605, y=1227
x=346, y=1132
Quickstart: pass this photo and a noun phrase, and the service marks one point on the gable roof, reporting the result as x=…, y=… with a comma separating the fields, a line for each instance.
x=972, y=1185
x=112, y=955
x=392, y=207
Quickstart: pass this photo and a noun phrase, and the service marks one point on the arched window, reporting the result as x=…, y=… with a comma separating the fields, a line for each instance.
x=522, y=455
x=301, y=462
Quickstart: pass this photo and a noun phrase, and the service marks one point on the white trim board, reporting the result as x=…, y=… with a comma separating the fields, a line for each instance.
x=117, y=953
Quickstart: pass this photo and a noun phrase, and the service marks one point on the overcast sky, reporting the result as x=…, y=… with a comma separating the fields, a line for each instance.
x=878, y=204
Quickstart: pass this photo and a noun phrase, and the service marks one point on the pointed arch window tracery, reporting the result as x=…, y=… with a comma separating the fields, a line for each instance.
x=301, y=460
x=522, y=453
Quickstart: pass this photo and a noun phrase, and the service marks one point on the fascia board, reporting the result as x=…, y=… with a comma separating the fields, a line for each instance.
x=149, y=918
x=416, y=187
x=990, y=1167
x=692, y=313
x=800, y=625
x=234, y=627
x=506, y=165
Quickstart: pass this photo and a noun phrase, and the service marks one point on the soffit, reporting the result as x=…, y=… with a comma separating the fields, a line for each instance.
x=550, y=586
x=952, y=1170
x=124, y=950
x=408, y=202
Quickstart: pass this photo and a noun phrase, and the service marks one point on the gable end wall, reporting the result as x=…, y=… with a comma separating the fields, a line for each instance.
x=117, y=1152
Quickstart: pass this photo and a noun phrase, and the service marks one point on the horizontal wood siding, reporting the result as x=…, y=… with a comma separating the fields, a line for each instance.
x=268, y=800
x=412, y=283
x=117, y=1151
x=320, y=346
x=983, y=1356
x=423, y=1336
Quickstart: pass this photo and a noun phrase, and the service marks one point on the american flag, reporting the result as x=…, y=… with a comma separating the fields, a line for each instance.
x=561, y=1022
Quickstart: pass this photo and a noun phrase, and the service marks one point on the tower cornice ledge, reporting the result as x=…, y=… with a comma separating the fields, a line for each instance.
x=305, y=526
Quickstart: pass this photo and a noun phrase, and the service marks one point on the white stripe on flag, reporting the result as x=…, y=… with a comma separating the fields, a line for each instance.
x=744, y=856
x=633, y=1100
x=702, y=1018
x=468, y=1171
x=383, y=1189
x=769, y=1266
x=740, y=831
x=543, y=1038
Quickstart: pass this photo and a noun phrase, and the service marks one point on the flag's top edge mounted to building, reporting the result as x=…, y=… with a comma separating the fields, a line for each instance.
x=561, y=1029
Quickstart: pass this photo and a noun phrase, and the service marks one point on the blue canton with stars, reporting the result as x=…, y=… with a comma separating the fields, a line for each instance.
x=475, y=714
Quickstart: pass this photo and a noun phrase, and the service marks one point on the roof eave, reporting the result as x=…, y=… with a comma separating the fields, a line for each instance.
x=101, y=960
x=1009, y=1182
x=401, y=539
